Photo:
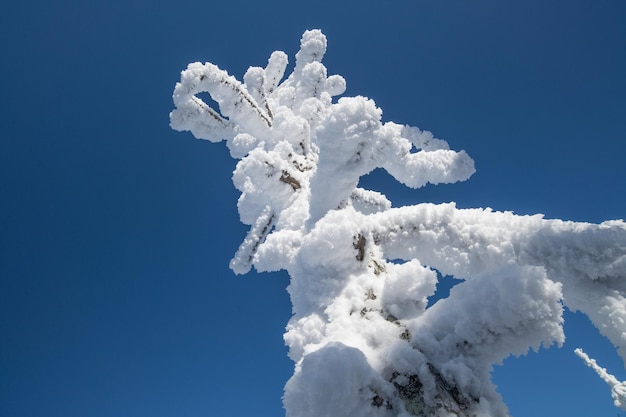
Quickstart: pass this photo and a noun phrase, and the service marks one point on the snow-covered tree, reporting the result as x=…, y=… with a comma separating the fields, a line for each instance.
x=364, y=340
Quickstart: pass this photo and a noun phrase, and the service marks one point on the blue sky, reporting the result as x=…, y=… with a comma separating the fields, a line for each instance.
x=115, y=293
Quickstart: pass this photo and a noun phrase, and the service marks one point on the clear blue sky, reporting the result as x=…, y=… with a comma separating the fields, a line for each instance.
x=115, y=295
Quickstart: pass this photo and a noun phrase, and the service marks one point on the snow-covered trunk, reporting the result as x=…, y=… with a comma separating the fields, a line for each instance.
x=364, y=339
x=435, y=361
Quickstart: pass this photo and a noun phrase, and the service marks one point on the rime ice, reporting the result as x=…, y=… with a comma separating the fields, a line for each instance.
x=361, y=336
x=618, y=389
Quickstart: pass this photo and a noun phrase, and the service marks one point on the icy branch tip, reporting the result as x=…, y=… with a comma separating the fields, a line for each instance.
x=618, y=389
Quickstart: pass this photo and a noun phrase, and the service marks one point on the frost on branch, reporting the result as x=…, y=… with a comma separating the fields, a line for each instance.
x=363, y=339
x=618, y=389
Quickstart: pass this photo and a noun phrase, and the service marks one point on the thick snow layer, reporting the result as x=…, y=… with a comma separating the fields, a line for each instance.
x=362, y=336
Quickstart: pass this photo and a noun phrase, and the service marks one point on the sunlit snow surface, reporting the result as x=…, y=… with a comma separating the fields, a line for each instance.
x=363, y=337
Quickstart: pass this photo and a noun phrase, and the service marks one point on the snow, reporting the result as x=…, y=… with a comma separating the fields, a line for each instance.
x=618, y=389
x=336, y=370
x=362, y=337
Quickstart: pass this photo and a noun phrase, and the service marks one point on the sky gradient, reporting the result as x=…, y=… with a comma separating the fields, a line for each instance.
x=115, y=293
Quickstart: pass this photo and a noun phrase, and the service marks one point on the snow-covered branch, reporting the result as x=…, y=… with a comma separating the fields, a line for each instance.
x=618, y=388
x=363, y=337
